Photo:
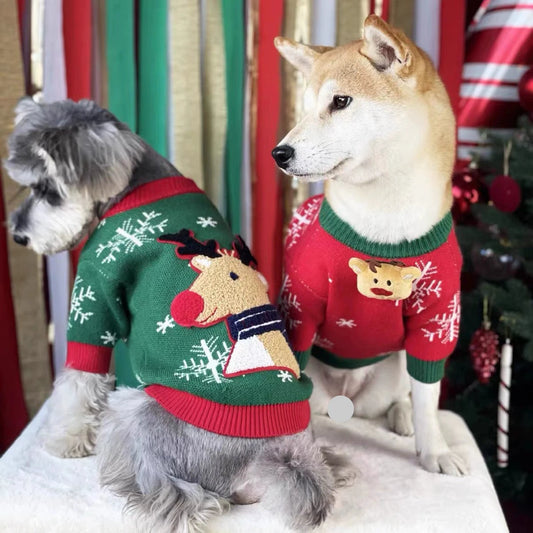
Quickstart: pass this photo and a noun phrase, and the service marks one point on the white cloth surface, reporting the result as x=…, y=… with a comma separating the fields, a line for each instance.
x=41, y=493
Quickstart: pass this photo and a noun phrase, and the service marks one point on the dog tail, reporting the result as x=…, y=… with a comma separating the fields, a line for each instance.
x=177, y=506
x=300, y=485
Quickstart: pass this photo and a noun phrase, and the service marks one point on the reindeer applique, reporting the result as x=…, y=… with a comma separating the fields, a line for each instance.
x=384, y=281
x=229, y=289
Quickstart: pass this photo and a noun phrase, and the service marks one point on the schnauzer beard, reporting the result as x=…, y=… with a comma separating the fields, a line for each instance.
x=54, y=228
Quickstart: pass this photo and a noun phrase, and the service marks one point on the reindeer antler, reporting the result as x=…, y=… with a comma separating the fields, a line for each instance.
x=191, y=246
x=243, y=252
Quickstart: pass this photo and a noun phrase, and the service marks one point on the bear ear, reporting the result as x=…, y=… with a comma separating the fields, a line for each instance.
x=410, y=273
x=201, y=262
x=358, y=265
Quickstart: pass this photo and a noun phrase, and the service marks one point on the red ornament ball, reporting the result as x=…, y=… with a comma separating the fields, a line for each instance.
x=484, y=353
x=525, y=90
x=467, y=190
x=505, y=193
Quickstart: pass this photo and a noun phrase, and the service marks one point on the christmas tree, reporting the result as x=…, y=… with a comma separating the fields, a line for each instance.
x=494, y=214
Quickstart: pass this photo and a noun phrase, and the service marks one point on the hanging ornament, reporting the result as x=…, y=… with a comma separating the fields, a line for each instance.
x=467, y=189
x=494, y=265
x=525, y=90
x=505, y=193
x=484, y=348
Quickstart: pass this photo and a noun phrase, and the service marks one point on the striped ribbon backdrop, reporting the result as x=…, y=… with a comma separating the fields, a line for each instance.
x=202, y=83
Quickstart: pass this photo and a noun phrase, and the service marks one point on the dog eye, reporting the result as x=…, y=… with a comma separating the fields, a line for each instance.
x=340, y=102
x=233, y=276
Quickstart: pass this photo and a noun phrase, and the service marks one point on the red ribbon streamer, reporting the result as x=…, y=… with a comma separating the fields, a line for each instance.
x=267, y=224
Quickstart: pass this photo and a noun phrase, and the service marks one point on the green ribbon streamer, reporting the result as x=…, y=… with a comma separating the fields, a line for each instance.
x=120, y=57
x=153, y=74
x=234, y=42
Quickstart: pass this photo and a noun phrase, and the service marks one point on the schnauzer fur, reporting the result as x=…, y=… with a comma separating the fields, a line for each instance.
x=78, y=160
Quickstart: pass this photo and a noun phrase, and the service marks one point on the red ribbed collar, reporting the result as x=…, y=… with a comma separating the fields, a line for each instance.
x=153, y=191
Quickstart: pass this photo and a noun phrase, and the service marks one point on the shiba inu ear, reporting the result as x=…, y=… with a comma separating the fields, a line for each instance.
x=300, y=56
x=386, y=47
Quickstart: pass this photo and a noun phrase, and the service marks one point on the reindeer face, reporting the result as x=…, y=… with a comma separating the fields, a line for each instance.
x=226, y=284
x=384, y=281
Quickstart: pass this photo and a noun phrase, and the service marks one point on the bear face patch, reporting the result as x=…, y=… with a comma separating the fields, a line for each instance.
x=382, y=280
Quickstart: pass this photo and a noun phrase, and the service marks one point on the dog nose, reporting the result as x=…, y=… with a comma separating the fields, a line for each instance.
x=283, y=154
x=21, y=239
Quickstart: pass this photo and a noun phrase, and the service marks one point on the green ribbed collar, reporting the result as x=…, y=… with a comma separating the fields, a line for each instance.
x=342, y=231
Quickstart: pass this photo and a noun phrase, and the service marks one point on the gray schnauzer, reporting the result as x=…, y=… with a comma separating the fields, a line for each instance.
x=78, y=161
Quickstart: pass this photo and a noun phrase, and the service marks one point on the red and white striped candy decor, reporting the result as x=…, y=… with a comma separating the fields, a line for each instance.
x=504, y=397
x=499, y=50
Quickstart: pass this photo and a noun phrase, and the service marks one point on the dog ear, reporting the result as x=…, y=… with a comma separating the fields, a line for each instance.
x=25, y=107
x=96, y=152
x=386, y=47
x=300, y=56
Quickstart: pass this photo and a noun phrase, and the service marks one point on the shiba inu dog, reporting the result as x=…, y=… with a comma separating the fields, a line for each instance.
x=379, y=129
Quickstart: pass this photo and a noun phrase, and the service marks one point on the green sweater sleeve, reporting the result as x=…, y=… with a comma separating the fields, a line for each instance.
x=97, y=319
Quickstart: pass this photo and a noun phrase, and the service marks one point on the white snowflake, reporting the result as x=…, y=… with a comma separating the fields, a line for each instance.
x=79, y=296
x=346, y=323
x=424, y=286
x=208, y=363
x=131, y=235
x=207, y=222
x=289, y=305
x=284, y=375
x=102, y=223
x=165, y=324
x=109, y=338
x=447, y=324
x=323, y=342
x=304, y=216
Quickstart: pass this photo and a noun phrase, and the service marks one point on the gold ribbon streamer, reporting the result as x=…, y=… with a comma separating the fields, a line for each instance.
x=296, y=26
x=214, y=106
x=25, y=266
x=350, y=18
x=185, y=88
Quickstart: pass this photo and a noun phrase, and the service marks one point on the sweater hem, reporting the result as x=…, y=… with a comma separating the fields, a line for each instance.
x=245, y=421
x=344, y=233
x=336, y=361
x=88, y=357
x=425, y=371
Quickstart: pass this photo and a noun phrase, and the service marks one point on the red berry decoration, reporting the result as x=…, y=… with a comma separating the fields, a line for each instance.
x=484, y=352
x=505, y=193
x=525, y=90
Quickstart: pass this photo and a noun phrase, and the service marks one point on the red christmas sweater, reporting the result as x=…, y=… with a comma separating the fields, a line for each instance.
x=351, y=302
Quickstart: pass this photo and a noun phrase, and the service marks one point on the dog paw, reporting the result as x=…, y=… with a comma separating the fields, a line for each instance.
x=400, y=418
x=69, y=447
x=445, y=463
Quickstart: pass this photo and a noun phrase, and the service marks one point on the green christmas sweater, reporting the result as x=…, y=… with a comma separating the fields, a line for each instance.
x=163, y=272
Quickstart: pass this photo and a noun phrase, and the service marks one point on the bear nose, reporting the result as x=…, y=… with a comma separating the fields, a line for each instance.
x=283, y=154
x=21, y=239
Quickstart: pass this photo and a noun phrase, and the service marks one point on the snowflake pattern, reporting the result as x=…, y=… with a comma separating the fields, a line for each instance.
x=80, y=295
x=323, y=342
x=346, y=323
x=109, y=338
x=447, y=324
x=285, y=376
x=289, y=305
x=165, y=324
x=304, y=216
x=206, y=222
x=424, y=286
x=131, y=235
x=208, y=363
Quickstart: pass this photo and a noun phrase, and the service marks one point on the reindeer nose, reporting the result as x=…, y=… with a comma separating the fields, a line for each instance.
x=186, y=307
x=283, y=154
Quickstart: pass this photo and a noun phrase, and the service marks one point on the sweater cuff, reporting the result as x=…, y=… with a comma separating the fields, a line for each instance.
x=88, y=357
x=302, y=357
x=425, y=371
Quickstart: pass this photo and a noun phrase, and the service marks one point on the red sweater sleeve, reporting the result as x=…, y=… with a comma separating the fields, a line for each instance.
x=432, y=314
